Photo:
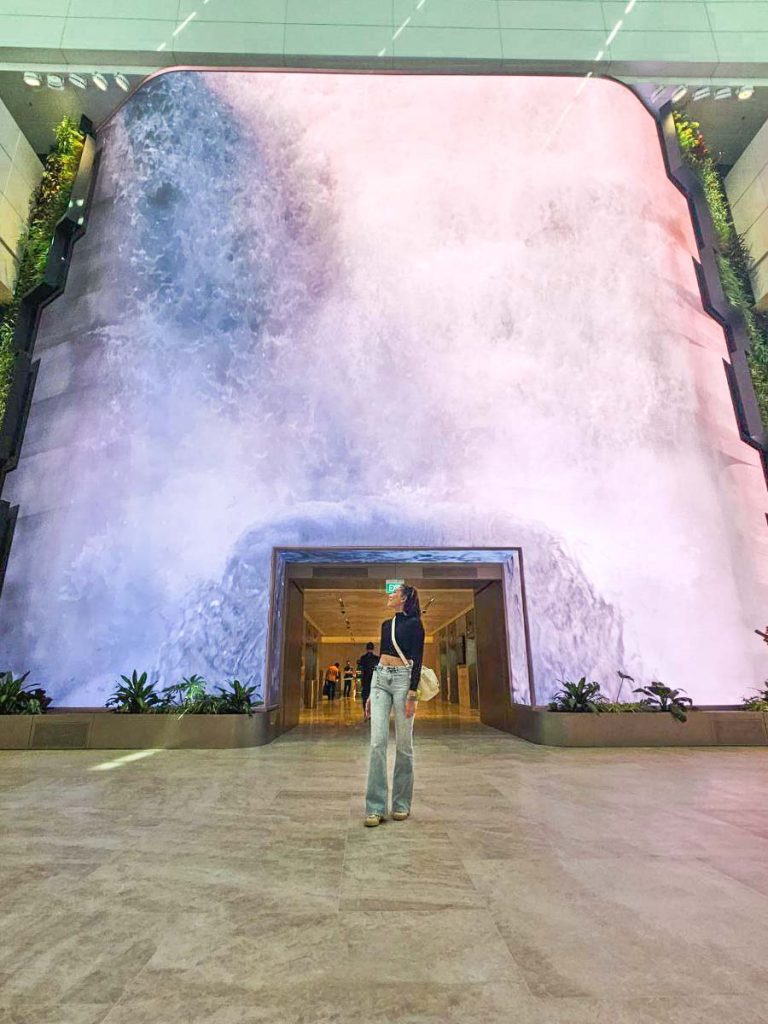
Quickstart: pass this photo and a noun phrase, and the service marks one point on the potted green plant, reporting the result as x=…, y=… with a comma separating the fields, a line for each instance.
x=580, y=697
x=760, y=700
x=17, y=699
x=658, y=697
x=237, y=699
x=135, y=696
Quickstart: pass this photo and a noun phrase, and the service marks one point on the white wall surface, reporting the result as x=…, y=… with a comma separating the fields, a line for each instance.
x=747, y=187
x=20, y=171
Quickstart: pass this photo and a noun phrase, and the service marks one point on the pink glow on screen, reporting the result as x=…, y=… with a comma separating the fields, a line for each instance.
x=559, y=360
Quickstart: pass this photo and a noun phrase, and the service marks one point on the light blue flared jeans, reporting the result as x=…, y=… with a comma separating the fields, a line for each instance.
x=389, y=688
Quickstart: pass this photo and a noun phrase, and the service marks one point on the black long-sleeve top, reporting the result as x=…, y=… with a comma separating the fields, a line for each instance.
x=409, y=634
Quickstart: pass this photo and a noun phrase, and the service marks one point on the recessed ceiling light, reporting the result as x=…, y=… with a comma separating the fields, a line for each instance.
x=657, y=93
x=680, y=93
x=32, y=79
x=100, y=81
x=55, y=82
x=745, y=92
x=122, y=82
x=702, y=94
x=79, y=81
x=723, y=94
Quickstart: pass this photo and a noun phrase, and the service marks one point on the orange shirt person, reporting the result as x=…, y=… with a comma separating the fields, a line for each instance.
x=332, y=675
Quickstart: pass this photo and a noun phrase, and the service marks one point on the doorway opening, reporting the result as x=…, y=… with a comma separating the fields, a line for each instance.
x=327, y=604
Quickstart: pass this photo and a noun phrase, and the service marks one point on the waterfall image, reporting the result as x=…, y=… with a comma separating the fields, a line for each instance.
x=323, y=310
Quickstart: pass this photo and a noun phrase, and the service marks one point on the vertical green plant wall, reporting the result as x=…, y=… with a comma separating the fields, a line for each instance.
x=733, y=257
x=48, y=204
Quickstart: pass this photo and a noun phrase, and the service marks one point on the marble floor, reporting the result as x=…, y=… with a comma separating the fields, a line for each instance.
x=531, y=885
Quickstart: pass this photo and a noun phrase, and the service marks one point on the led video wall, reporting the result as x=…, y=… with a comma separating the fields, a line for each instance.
x=316, y=309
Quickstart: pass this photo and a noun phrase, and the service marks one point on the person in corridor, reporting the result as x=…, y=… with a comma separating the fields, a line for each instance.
x=367, y=663
x=349, y=676
x=332, y=674
x=395, y=686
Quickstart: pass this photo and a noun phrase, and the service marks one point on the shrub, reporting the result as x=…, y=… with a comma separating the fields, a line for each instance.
x=580, y=697
x=617, y=707
x=760, y=700
x=658, y=697
x=733, y=259
x=185, y=697
x=136, y=695
x=47, y=206
x=237, y=699
x=16, y=699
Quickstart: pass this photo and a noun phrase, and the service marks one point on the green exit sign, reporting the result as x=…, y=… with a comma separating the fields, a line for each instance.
x=392, y=585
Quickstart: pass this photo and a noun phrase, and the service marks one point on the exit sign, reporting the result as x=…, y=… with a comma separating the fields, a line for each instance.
x=392, y=585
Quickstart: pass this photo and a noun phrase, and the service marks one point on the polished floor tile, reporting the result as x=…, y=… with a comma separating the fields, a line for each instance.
x=530, y=885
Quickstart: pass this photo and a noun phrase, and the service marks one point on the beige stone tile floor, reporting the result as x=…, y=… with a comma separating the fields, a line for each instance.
x=531, y=885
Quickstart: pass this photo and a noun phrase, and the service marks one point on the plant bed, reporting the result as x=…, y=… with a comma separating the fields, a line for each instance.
x=705, y=727
x=725, y=272
x=97, y=729
x=185, y=714
x=41, y=256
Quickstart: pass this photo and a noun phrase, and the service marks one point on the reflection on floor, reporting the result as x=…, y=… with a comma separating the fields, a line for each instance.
x=339, y=715
x=531, y=885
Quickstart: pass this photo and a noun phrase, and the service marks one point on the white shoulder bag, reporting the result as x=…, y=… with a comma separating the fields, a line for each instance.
x=429, y=686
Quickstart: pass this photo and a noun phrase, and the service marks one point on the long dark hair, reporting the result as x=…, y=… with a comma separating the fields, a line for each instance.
x=412, y=605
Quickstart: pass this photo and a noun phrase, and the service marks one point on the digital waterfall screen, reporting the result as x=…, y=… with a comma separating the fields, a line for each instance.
x=332, y=310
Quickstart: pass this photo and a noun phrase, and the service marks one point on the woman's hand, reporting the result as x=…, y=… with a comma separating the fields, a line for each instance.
x=410, y=706
x=368, y=708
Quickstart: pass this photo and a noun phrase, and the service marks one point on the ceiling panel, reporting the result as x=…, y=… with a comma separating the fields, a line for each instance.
x=360, y=613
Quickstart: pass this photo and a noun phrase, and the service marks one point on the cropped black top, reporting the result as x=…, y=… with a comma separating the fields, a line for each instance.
x=409, y=634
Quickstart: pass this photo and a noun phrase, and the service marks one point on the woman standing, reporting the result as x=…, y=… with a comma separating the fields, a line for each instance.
x=394, y=685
